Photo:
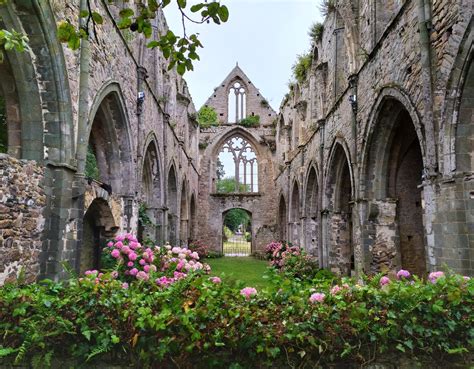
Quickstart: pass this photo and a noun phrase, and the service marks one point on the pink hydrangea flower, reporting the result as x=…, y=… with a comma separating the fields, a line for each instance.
x=110, y=244
x=215, y=280
x=248, y=292
x=119, y=244
x=317, y=297
x=134, y=271
x=466, y=278
x=195, y=255
x=130, y=264
x=115, y=253
x=132, y=256
x=384, y=280
x=142, y=276
x=124, y=285
x=142, y=262
x=146, y=268
x=125, y=249
x=176, y=250
x=134, y=245
x=434, y=276
x=120, y=237
x=114, y=274
x=163, y=281
x=335, y=290
x=403, y=274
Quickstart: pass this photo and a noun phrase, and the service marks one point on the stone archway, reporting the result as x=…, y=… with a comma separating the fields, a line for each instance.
x=236, y=232
x=339, y=242
x=295, y=215
x=192, y=218
x=282, y=219
x=109, y=142
x=311, y=210
x=394, y=175
x=172, y=200
x=98, y=226
x=184, y=216
x=150, y=212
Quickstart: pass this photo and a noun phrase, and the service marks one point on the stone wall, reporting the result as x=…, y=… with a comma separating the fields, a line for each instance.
x=22, y=201
x=407, y=73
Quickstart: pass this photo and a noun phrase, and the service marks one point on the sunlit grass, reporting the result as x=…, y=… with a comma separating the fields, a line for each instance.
x=246, y=269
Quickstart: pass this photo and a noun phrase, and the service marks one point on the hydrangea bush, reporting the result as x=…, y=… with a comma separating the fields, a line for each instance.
x=201, y=321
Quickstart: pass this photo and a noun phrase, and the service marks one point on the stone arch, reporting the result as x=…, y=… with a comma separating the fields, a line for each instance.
x=338, y=198
x=311, y=211
x=393, y=95
x=457, y=112
x=109, y=139
x=151, y=194
x=237, y=100
x=39, y=120
x=192, y=218
x=237, y=132
x=240, y=248
x=282, y=219
x=184, y=214
x=394, y=171
x=295, y=213
x=99, y=225
x=172, y=204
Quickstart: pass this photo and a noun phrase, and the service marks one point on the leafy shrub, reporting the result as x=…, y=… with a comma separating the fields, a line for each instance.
x=250, y=121
x=207, y=117
x=316, y=32
x=202, y=322
x=200, y=247
x=302, y=67
x=293, y=262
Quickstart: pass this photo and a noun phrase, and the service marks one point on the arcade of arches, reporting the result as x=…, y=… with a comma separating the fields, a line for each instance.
x=368, y=164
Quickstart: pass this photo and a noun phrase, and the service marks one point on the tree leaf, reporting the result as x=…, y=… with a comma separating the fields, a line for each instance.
x=223, y=13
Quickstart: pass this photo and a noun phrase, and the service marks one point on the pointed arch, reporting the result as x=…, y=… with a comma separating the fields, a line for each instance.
x=338, y=200
x=39, y=122
x=282, y=219
x=295, y=213
x=184, y=214
x=110, y=140
x=172, y=204
x=311, y=210
x=192, y=218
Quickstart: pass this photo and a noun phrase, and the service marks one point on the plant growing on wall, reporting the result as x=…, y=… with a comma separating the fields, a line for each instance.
x=92, y=168
x=327, y=7
x=207, y=117
x=316, y=32
x=302, y=67
x=264, y=103
x=251, y=121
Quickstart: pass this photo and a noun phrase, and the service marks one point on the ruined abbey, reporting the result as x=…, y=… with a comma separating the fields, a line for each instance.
x=368, y=165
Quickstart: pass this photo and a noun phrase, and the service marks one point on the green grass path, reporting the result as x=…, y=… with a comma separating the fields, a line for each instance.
x=246, y=269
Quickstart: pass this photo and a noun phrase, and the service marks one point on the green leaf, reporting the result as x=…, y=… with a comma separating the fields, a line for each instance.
x=181, y=68
x=400, y=347
x=87, y=334
x=126, y=13
x=197, y=7
x=223, y=13
x=83, y=14
x=182, y=4
x=97, y=18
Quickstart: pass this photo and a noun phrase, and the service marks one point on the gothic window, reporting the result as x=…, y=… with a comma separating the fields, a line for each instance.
x=237, y=103
x=237, y=167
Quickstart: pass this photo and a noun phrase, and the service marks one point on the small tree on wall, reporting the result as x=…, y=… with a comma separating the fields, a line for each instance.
x=207, y=117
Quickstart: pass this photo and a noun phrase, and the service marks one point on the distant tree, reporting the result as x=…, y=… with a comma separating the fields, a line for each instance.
x=228, y=185
x=220, y=172
x=92, y=168
x=236, y=217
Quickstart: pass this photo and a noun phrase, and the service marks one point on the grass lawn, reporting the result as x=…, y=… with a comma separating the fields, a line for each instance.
x=246, y=269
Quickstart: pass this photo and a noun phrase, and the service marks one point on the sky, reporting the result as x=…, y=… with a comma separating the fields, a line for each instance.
x=263, y=36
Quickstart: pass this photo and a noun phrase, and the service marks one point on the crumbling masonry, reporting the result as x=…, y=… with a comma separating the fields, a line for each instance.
x=368, y=165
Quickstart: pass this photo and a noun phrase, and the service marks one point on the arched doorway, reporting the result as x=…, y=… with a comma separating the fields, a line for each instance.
x=394, y=179
x=236, y=232
x=172, y=198
x=311, y=213
x=295, y=215
x=98, y=226
x=109, y=144
x=192, y=218
x=150, y=214
x=184, y=216
x=282, y=220
x=339, y=198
